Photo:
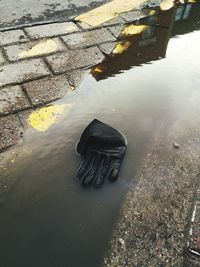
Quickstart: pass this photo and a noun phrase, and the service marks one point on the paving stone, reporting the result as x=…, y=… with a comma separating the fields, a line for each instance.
x=89, y=38
x=75, y=59
x=51, y=30
x=75, y=77
x=33, y=49
x=1, y=58
x=116, y=30
x=46, y=90
x=12, y=99
x=107, y=48
x=134, y=15
x=10, y=131
x=114, y=21
x=10, y=37
x=22, y=71
x=24, y=115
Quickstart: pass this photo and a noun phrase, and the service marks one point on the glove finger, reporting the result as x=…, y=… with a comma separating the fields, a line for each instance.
x=89, y=176
x=114, y=170
x=84, y=165
x=102, y=171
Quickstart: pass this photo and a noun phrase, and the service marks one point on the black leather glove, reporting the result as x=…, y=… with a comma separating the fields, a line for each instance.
x=103, y=149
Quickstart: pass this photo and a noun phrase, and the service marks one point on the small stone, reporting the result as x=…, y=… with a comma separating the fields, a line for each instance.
x=176, y=145
x=121, y=241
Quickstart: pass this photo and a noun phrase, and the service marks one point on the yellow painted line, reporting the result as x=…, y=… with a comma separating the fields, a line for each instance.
x=133, y=29
x=121, y=47
x=108, y=11
x=114, y=8
x=42, y=119
x=167, y=4
x=42, y=48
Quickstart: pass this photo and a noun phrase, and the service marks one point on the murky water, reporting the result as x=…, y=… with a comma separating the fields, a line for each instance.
x=48, y=219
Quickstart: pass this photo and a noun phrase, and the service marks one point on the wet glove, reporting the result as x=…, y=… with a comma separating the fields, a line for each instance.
x=103, y=149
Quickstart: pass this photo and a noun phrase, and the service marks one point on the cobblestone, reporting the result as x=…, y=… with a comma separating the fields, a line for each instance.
x=50, y=30
x=10, y=131
x=33, y=49
x=47, y=89
x=10, y=37
x=72, y=60
x=89, y=38
x=22, y=71
x=12, y=99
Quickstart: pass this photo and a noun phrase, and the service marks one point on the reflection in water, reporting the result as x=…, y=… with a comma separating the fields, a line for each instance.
x=146, y=40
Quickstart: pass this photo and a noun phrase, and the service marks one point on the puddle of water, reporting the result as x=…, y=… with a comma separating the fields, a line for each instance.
x=48, y=219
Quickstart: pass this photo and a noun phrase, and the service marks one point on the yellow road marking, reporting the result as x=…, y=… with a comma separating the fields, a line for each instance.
x=42, y=119
x=44, y=47
x=121, y=47
x=108, y=11
x=133, y=29
x=167, y=4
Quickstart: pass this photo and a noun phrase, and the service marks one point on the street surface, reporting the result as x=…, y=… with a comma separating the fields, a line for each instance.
x=19, y=13
x=132, y=67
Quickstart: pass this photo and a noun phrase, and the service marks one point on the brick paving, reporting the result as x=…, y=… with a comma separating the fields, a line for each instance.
x=46, y=90
x=12, y=99
x=40, y=64
x=51, y=30
x=70, y=60
x=89, y=38
x=23, y=71
x=45, y=47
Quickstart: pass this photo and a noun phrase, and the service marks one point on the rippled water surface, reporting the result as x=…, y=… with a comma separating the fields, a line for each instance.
x=48, y=219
